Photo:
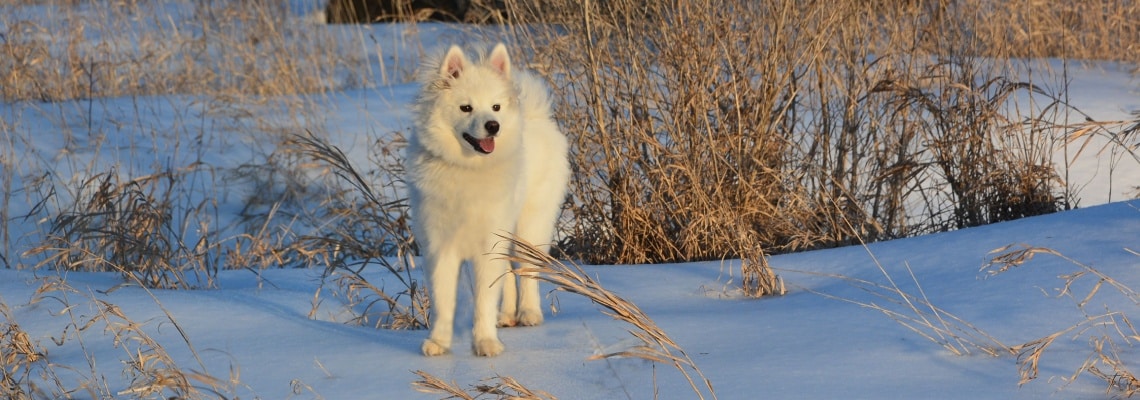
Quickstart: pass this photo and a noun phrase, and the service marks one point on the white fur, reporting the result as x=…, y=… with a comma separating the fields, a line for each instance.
x=461, y=197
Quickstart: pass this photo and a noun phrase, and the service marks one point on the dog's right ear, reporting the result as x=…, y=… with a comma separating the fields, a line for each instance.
x=453, y=63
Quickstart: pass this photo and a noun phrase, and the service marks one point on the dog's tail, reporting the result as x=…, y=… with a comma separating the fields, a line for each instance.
x=534, y=95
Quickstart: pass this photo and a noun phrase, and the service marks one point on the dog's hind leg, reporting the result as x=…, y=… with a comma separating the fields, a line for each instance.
x=510, y=301
x=538, y=231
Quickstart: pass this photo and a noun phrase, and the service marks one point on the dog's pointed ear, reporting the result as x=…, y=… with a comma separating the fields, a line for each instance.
x=453, y=63
x=500, y=61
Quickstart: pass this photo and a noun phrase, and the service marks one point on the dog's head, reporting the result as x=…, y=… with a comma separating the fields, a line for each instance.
x=472, y=108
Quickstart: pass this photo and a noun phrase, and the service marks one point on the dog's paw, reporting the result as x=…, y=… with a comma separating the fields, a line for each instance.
x=488, y=347
x=507, y=320
x=431, y=348
x=530, y=317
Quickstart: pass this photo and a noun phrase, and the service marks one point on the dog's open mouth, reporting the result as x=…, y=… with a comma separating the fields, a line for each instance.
x=485, y=145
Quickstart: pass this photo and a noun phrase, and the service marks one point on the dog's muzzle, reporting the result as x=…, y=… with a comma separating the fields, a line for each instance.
x=485, y=145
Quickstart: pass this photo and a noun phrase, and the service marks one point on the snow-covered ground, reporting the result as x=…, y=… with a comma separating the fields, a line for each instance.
x=281, y=334
x=803, y=345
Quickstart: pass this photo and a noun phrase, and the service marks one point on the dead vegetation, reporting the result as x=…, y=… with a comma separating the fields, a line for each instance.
x=1110, y=334
x=499, y=387
x=89, y=323
x=656, y=346
x=742, y=129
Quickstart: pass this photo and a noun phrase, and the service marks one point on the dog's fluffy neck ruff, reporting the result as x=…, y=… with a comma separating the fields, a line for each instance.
x=424, y=156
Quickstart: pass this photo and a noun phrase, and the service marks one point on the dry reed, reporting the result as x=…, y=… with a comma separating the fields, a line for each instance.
x=740, y=129
x=1110, y=334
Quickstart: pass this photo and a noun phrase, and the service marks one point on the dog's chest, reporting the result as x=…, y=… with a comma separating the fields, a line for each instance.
x=468, y=194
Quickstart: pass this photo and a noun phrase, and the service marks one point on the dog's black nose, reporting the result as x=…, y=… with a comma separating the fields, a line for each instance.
x=492, y=127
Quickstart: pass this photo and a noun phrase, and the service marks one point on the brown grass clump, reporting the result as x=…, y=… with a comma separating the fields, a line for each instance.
x=132, y=228
x=1110, y=334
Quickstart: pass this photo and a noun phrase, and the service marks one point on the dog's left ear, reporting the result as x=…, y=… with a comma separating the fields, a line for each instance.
x=500, y=61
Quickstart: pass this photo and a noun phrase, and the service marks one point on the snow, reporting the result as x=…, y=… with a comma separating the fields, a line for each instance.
x=802, y=345
x=282, y=334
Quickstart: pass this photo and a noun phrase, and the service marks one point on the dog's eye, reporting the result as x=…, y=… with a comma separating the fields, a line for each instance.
x=495, y=107
x=465, y=108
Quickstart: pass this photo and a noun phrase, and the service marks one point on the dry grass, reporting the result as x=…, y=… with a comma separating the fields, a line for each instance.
x=656, y=346
x=499, y=387
x=150, y=371
x=1110, y=334
x=742, y=129
x=1095, y=30
x=92, y=67
x=130, y=227
x=22, y=359
x=916, y=312
x=114, y=49
x=372, y=230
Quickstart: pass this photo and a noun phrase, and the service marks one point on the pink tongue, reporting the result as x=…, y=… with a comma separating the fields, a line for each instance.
x=487, y=144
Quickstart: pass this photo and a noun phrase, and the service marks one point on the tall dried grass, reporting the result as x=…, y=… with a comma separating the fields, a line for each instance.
x=139, y=48
x=1093, y=30
x=739, y=129
x=99, y=201
x=131, y=227
x=232, y=60
x=368, y=229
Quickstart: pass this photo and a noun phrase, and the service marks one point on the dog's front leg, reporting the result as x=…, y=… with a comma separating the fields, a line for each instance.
x=443, y=278
x=488, y=271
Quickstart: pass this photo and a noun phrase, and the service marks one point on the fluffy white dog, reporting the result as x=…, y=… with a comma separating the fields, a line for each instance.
x=486, y=157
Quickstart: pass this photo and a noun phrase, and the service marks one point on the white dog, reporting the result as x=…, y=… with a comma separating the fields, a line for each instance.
x=486, y=158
